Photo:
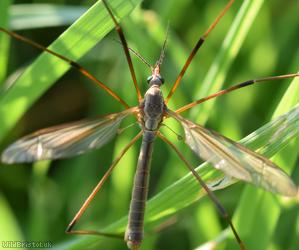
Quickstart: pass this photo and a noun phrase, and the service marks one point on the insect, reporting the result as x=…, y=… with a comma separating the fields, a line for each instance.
x=226, y=155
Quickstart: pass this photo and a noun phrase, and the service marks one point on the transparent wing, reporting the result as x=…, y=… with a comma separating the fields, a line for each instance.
x=234, y=159
x=65, y=140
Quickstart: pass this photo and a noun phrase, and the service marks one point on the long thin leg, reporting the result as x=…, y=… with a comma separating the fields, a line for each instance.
x=126, y=49
x=195, y=49
x=95, y=191
x=232, y=88
x=81, y=69
x=211, y=195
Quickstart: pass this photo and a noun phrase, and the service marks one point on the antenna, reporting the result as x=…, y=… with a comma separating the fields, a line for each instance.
x=162, y=54
x=140, y=57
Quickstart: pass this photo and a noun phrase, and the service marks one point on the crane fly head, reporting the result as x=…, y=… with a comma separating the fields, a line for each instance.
x=155, y=78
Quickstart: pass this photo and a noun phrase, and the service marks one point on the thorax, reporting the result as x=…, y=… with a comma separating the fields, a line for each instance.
x=152, y=108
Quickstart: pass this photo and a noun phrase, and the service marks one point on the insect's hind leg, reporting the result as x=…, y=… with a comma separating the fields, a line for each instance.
x=210, y=194
x=85, y=205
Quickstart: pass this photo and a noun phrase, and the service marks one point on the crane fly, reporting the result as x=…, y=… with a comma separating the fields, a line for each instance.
x=79, y=137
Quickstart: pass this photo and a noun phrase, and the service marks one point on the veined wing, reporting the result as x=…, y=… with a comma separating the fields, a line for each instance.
x=65, y=140
x=234, y=159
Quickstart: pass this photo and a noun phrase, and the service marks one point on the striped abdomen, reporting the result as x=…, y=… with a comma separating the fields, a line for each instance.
x=134, y=231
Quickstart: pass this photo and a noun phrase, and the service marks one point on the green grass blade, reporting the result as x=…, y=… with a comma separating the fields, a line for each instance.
x=43, y=73
x=10, y=230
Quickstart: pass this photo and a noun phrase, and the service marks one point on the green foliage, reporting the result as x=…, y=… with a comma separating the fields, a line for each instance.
x=262, y=41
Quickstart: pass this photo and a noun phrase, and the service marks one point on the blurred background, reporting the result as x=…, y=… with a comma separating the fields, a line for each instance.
x=38, y=201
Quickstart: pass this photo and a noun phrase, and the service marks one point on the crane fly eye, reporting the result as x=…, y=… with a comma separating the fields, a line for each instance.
x=162, y=79
x=149, y=79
